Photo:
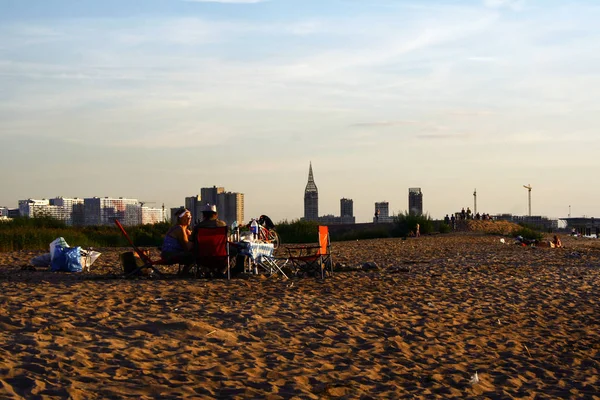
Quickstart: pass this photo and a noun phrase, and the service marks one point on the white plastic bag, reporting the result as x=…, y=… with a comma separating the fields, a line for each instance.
x=55, y=243
x=87, y=258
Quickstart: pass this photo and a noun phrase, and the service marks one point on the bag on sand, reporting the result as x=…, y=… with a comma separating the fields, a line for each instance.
x=58, y=242
x=67, y=259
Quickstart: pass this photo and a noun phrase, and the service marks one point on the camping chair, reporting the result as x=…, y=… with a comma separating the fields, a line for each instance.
x=148, y=263
x=312, y=259
x=211, y=249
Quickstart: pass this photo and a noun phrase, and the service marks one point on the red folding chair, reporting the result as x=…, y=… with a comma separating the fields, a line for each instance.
x=211, y=249
x=313, y=259
x=148, y=263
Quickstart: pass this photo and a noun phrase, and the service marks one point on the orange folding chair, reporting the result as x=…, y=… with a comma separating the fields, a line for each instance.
x=313, y=259
x=211, y=249
x=148, y=263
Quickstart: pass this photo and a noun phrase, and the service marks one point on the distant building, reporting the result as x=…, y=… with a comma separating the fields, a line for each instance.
x=230, y=205
x=346, y=208
x=5, y=214
x=415, y=201
x=210, y=196
x=333, y=220
x=151, y=215
x=74, y=209
x=233, y=207
x=32, y=208
x=384, y=212
x=172, y=216
x=311, y=198
x=536, y=221
x=584, y=225
x=104, y=210
x=194, y=204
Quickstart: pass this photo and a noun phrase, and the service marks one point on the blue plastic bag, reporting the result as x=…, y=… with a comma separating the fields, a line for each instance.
x=67, y=259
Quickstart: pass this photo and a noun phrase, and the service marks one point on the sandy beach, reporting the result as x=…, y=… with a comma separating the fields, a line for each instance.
x=437, y=311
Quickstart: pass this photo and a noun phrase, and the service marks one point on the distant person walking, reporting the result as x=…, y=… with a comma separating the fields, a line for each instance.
x=418, y=230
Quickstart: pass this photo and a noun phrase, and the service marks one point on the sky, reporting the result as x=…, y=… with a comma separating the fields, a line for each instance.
x=155, y=99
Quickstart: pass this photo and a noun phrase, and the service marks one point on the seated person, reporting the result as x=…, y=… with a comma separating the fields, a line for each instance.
x=556, y=241
x=176, y=248
x=210, y=218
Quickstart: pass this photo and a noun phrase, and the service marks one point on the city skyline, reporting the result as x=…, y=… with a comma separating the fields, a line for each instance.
x=154, y=101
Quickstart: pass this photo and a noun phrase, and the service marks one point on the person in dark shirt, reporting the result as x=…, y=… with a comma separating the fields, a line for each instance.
x=210, y=217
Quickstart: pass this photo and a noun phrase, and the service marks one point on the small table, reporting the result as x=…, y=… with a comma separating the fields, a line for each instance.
x=261, y=255
x=255, y=251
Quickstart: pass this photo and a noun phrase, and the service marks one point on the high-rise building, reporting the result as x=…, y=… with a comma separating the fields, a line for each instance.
x=103, y=211
x=32, y=208
x=384, y=212
x=74, y=212
x=151, y=215
x=194, y=204
x=347, y=211
x=173, y=214
x=210, y=196
x=232, y=205
x=415, y=201
x=311, y=198
x=346, y=207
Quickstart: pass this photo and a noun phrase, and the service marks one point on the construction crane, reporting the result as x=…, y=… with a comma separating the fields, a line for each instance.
x=528, y=187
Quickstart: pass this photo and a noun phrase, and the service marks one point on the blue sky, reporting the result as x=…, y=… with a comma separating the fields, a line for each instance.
x=155, y=99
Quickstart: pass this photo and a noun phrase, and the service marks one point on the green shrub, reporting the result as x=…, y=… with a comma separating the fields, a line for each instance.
x=376, y=232
x=407, y=223
x=444, y=228
x=528, y=232
x=298, y=231
x=38, y=233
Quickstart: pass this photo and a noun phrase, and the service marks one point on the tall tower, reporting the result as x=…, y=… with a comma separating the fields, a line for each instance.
x=346, y=208
x=311, y=198
x=415, y=201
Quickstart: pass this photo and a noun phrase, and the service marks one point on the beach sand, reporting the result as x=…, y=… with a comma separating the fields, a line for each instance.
x=526, y=320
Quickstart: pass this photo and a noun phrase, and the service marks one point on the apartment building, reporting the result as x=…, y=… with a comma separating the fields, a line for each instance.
x=104, y=210
x=415, y=201
x=151, y=215
x=384, y=212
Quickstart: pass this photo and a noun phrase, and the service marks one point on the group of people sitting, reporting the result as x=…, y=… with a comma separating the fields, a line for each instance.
x=178, y=243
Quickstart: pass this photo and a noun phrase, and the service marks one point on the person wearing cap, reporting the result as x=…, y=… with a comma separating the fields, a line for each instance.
x=177, y=246
x=210, y=218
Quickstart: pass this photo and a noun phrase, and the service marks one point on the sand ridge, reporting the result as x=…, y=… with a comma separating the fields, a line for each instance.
x=525, y=319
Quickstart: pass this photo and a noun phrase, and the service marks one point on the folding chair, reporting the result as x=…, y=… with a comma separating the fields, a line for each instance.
x=272, y=265
x=148, y=263
x=313, y=258
x=211, y=249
